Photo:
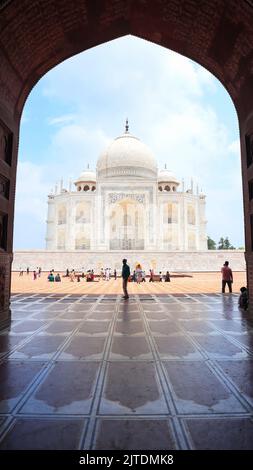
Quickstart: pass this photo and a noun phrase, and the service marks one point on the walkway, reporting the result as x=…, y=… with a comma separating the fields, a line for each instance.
x=154, y=372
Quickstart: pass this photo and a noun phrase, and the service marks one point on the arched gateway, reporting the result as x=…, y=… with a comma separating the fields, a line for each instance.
x=36, y=36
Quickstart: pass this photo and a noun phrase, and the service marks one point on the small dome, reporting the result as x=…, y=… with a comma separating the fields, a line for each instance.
x=86, y=176
x=166, y=176
x=127, y=156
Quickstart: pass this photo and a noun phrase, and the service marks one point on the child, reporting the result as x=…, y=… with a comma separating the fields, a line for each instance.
x=243, y=299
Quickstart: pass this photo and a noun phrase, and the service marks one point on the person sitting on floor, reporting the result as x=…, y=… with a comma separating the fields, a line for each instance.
x=51, y=277
x=57, y=278
x=167, y=277
x=243, y=299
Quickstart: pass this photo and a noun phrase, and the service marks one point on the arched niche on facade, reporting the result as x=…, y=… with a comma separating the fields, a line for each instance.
x=170, y=213
x=127, y=224
x=191, y=215
x=82, y=242
x=61, y=239
x=191, y=241
x=82, y=212
x=61, y=214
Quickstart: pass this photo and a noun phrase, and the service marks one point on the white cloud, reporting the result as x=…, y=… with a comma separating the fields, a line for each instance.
x=61, y=120
x=74, y=146
x=32, y=189
x=234, y=147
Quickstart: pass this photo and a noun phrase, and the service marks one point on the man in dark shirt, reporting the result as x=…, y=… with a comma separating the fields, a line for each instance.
x=125, y=276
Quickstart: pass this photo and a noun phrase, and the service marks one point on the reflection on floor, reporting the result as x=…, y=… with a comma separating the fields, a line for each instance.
x=154, y=372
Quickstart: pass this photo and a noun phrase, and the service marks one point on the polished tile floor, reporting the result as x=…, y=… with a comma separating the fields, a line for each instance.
x=154, y=372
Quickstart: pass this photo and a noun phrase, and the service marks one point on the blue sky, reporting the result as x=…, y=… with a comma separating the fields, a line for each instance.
x=174, y=106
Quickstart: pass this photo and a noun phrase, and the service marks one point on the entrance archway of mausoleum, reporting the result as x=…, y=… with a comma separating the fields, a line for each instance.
x=127, y=227
x=36, y=36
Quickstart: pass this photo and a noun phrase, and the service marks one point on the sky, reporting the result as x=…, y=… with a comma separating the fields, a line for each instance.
x=175, y=106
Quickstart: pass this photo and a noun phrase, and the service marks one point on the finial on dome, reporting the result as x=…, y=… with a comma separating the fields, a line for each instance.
x=127, y=126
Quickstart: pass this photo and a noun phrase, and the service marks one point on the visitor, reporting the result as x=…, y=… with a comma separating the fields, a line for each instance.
x=143, y=276
x=50, y=276
x=78, y=278
x=107, y=274
x=227, y=277
x=243, y=300
x=102, y=274
x=167, y=277
x=138, y=274
x=125, y=276
x=27, y=270
x=39, y=272
x=72, y=276
x=67, y=272
x=160, y=276
x=92, y=276
x=83, y=275
x=57, y=278
x=115, y=274
x=21, y=272
x=34, y=275
x=151, y=278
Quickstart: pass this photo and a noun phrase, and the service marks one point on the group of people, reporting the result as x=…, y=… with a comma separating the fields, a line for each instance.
x=138, y=276
x=54, y=278
x=227, y=279
x=36, y=272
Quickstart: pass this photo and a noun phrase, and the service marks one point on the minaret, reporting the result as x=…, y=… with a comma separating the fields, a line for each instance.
x=127, y=127
x=50, y=223
x=192, y=185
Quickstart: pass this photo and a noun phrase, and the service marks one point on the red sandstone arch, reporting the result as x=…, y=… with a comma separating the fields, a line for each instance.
x=36, y=36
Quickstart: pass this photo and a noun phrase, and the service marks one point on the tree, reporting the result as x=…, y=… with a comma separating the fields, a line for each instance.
x=224, y=244
x=211, y=244
x=221, y=244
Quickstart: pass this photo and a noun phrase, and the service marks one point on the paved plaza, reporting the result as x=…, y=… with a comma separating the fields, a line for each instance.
x=180, y=283
x=155, y=372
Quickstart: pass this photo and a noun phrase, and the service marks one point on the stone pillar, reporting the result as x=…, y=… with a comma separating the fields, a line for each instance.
x=5, y=284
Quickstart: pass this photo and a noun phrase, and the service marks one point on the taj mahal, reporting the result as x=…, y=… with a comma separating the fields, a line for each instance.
x=127, y=208
x=127, y=204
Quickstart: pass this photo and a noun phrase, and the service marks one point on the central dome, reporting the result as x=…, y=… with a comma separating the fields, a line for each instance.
x=127, y=156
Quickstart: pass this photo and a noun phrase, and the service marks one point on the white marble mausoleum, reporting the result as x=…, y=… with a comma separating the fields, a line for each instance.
x=127, y=204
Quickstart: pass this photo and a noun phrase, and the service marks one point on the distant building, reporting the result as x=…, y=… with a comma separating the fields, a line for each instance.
x=127, y=204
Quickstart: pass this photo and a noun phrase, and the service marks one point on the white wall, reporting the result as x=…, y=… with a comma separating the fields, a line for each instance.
x=159, y=261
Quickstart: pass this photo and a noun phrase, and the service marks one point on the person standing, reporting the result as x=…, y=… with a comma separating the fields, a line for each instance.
x=125, y=276
x=227, y=277
x=115, y=274
x=151, y=279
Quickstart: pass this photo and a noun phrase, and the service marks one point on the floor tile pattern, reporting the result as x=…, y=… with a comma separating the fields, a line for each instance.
x=153, y=372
